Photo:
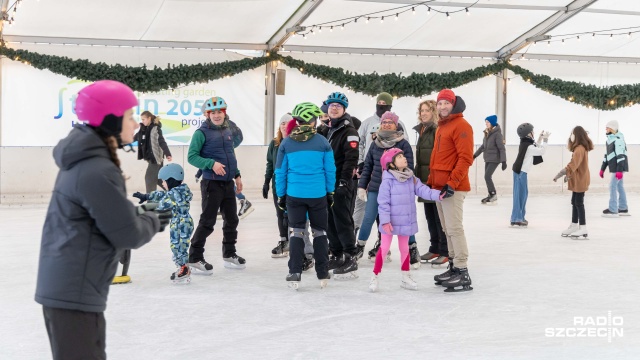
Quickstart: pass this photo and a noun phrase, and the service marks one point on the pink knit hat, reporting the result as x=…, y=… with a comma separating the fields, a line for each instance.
x=389, y=156
x=391, y=116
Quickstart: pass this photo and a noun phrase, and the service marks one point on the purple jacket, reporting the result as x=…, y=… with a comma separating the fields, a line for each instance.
x=397, y=203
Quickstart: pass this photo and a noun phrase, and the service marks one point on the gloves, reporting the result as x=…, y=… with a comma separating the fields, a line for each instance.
x=619, y=175
x=165, y=217
x=504, y=166
x=362, y=194
x=387, y=228
x=446, y=192
x=545, y=136
x=146, y=207
x=330, y=199
x=282, y=203
x=562, y=173
x=141, y=196
x=360, y=168
x=343, y=188
x=602, y=174
x=265, y=190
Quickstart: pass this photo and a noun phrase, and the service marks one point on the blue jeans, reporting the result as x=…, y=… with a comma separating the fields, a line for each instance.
x=370, y=214
x=238, y=196
x=520, y=195
x=617, y=195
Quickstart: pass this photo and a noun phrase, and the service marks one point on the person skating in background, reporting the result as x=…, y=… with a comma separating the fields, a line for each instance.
x=212, y=150
x=529, y=154
x=577, y=174
x=397, y=208
x=305, y=182
x=152, y=148
x=89, y=223
x=494, y=155
x=615, y=159
x=343, y=137
x=449, y=172
x=438, y=253
x=177, y=198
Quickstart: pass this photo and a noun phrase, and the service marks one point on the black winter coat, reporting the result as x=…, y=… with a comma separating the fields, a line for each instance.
x=89, y=222
x=151, y=144
x=372, y=172
x=344, y=141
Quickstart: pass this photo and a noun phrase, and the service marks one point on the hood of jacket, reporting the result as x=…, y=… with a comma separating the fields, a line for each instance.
x=82, y=143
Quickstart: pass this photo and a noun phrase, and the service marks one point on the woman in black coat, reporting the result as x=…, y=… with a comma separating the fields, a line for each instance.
x=152, y=148
x=494, y=155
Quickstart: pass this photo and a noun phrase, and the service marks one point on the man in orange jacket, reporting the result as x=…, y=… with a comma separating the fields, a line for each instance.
x=450, y=161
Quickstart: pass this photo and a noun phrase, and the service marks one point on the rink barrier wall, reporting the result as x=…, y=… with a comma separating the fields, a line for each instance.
x=28, y=173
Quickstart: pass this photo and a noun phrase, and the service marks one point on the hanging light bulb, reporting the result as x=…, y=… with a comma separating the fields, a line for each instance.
x=331, y=29
x=467, y=10
x=355, y=21
x=366, y=22
x=578, y=38
x=629, y=35
x=413, y=10
x=320, y=29
x=548, y=43
x=342, y=27
x=312, y=33
x=562, y=41
x=428, y=10
x=396, y=17
x=304, y=36
x=382, y=19
x=293, y=35
x=535, y=43
x=611, y=37
x=593, y=36
x=448, y=17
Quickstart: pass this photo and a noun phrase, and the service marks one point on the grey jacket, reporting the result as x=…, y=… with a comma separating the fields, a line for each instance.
x=89, y=222
x=492, y=146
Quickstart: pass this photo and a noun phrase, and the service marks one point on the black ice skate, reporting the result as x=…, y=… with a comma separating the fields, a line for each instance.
x=201, y=267
x=439, y=279
x=293, y=280
x=182, y=275
x=348, y=270
x=373, y=252
x=490, y=200
x=520, y=224
x=281, y=250
x=307, y=264
x=335, y=262
x=234, y=262
x=459, y=281
x=360, y=244
x=414, y=256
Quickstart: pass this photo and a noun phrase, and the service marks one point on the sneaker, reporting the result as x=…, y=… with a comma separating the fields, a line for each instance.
x=408, y=282
x=360, y=249
x=623, y=212
x=335, y=262
x=234, y=262
x=414, y=256
x=182, y=275
x=428, y=257
x=348, y=270
x=307, y=264
x=281, y=250
x=293, y=280
x=245, y=208
x=201, y=267
x=373, y=283
x=610, y=214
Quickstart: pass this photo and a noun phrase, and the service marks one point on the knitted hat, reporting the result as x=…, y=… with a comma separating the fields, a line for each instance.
x=386, y=97
x=447, y=94
x=388, y=157
x=325, y=107
x=492, y=119
x=390, y=116
x=285, y=118
x=613, y=124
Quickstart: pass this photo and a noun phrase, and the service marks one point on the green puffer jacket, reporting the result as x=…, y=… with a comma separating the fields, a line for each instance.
x=424, y=147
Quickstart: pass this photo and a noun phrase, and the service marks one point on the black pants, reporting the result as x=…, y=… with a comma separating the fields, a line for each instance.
x=282, y=218
x=297, y=210
x=578, y=214
x=216, y=195
x=75, y=334
x=489, y=169
x=342, y=238
x=438, y=237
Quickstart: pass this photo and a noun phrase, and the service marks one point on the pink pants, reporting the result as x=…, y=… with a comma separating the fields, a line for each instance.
x=385, y=244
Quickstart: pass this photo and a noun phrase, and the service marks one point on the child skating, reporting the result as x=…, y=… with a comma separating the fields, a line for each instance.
x=577, y=175
x=397, y=211
x=177, y=198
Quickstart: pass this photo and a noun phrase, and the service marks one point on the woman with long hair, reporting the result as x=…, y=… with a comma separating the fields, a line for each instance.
x=152, y=148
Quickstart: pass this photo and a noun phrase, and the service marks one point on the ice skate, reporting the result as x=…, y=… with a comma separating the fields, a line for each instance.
x=335, y=262
x=492, y=199
x=520, y=224
x=459, y=281
x=624, y=212
x=414, y=256
x=234, y=262
x=281, y=250
x=568, y=231
x=373, y=284
x=609, y=214
x=408, y=282
x=439, y=279
x=201, y=267
x=182, y=275
x=324, y=282
x=360, y=244
x=348, y=270
x=293, y=280
x=307, y=264
x=428, y=257
x=245, y=208
x=439, y=261
x=580, y=233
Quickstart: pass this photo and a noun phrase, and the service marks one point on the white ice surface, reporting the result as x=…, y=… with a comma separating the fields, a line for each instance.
x=525, y=280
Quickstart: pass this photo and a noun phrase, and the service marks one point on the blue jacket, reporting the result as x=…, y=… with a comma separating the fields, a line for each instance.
x=305, y=169
x=371, y=177
x=616, y=157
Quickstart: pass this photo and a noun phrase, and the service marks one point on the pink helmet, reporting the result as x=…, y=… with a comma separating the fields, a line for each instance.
x=103, y=98
x=388, y=156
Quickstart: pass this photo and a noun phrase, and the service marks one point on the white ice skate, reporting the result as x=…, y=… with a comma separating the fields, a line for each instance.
x=580, y=234
x=234, y=262
x=408, y=282
x=182, y=276
x=373, y=284
x=325, y=282
x=570, y=230
x=201, y=267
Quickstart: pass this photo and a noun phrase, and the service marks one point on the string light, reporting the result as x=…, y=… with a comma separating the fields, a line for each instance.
x=448, y=17
x=396, y=17
x=467, y=10
x=413, y=10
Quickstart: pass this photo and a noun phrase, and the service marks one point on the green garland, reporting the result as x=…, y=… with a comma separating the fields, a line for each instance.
x=415, y=85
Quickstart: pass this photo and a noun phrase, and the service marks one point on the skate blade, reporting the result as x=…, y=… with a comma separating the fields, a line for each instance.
x=293, y=285
x=437, y=265
x=182, y=281
x=246, y=213
x=461, y=289
x=196, y=271
x=324, y=283
x=408, y=287
x=611, y=216
x=119, y=280
x=621, y=214
x=373, y=289
x=581, y=237
x=233, y=266
x=348, y=276
x=278, y=256
x=416, y=266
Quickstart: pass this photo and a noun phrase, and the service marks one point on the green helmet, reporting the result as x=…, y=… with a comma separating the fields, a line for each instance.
x=306, y=112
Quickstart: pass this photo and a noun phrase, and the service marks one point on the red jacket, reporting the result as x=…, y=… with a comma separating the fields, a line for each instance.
x=452, y=154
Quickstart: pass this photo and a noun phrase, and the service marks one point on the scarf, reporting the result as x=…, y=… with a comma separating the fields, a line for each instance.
x=522, y=151
x=388, y=138
x=401, y=176
x=381, y=109
x=302, y=132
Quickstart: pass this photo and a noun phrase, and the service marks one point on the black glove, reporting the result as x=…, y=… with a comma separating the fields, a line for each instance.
x=265, y=190
x=141, y=196
x=360, y=168
x=343, y=188
x=165, y=217
x=282, y=203
x=330, y=199
x=447, y=191
x=504, y=166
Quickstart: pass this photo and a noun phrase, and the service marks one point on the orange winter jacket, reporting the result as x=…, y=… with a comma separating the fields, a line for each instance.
x=452, y=154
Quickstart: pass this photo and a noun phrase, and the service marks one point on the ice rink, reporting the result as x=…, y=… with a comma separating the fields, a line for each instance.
x=528, y=283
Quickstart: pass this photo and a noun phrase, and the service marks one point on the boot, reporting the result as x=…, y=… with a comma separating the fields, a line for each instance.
x=573, y=227
x=408, y=282
x=581, y=232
